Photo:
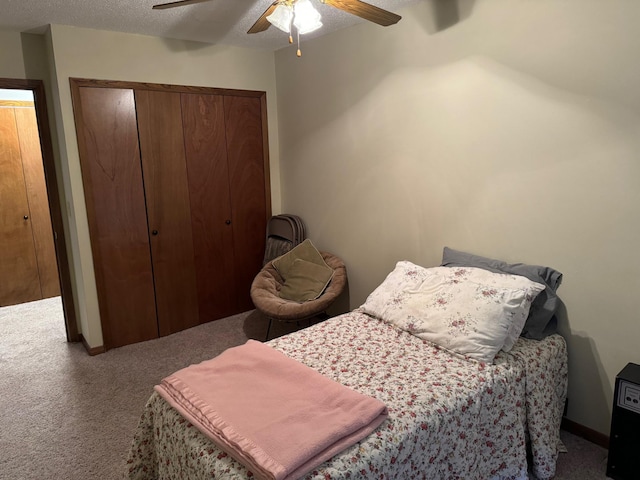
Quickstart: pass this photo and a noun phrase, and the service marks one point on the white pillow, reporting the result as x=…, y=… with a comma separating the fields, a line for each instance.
x=467, y=310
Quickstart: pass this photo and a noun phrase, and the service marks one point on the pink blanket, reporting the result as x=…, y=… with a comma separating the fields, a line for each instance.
x=273, y=414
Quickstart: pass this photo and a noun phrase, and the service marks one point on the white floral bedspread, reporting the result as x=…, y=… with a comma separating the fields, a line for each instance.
x=449, y=417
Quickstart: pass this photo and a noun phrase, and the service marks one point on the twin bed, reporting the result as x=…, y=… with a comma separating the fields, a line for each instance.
x=450, y=415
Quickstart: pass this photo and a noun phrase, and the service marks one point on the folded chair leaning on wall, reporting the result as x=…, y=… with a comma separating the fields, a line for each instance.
x=283, y=233
x=299, y=285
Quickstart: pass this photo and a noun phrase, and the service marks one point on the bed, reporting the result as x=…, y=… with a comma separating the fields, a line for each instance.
x=449, y=415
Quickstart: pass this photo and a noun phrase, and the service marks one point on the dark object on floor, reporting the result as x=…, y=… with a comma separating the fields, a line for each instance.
x=624, y=463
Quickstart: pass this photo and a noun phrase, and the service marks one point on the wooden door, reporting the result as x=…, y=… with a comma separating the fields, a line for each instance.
x=167, y=197
x=38, y=201
x=206, y=155
x=247, y=179
x=112, y=176
x=19, y=281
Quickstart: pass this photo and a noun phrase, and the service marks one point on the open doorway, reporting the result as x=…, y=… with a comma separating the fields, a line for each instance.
x=34, y=256
x=27, y=252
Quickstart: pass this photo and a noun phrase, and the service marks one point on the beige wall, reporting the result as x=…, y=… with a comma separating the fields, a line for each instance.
x=514, y=133
x=11, y=60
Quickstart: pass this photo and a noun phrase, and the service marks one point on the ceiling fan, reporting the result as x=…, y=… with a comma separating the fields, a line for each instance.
x=355, y=7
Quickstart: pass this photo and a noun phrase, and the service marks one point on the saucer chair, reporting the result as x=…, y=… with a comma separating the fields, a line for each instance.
x=271, y=282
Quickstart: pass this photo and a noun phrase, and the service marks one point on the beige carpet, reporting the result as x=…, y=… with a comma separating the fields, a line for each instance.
x=65, y=415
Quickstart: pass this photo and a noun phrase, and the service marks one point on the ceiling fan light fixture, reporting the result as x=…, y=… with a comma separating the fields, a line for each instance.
x=306, y=17
x=281, y=17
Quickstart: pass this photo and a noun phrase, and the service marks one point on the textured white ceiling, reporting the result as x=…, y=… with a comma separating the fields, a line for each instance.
x=216, y=21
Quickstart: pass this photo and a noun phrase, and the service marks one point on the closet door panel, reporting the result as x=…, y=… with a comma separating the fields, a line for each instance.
x=112, y=177
x=243, y=116
x=19, y=280
x=168, y=210
x=38, y=201
x=206, y=154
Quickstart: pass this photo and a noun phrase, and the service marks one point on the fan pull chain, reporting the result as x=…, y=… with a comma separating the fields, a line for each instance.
x=291, y=30
x=299, y=53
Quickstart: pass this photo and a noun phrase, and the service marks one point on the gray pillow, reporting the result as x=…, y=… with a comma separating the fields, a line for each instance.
x=541, y=321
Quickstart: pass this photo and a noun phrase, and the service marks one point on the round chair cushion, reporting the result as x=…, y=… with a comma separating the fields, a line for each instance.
x=265, y=292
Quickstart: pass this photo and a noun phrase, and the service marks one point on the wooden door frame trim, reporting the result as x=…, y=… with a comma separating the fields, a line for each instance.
x=55, y=209
x=163, y=87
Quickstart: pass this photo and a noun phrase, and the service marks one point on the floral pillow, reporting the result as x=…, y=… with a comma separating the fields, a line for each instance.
x=541, y=321
x=467, y=310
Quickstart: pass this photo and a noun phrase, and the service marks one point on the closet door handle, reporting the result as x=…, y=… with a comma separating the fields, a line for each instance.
x=154, y=232
x=26, y=217
x=228, y=222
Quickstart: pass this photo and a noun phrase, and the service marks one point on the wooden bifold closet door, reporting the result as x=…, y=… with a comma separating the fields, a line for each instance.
x=19, y=282
x=168, y=211
x=27, y=253
x=116, y=211
x=176, y=183
x=209, y=190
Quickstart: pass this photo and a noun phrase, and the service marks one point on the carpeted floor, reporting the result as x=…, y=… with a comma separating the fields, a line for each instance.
x=65, y=415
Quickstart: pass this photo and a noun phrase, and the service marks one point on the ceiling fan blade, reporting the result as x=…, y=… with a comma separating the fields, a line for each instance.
x=179, y=3
x=364, y=10
x=262, y=23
